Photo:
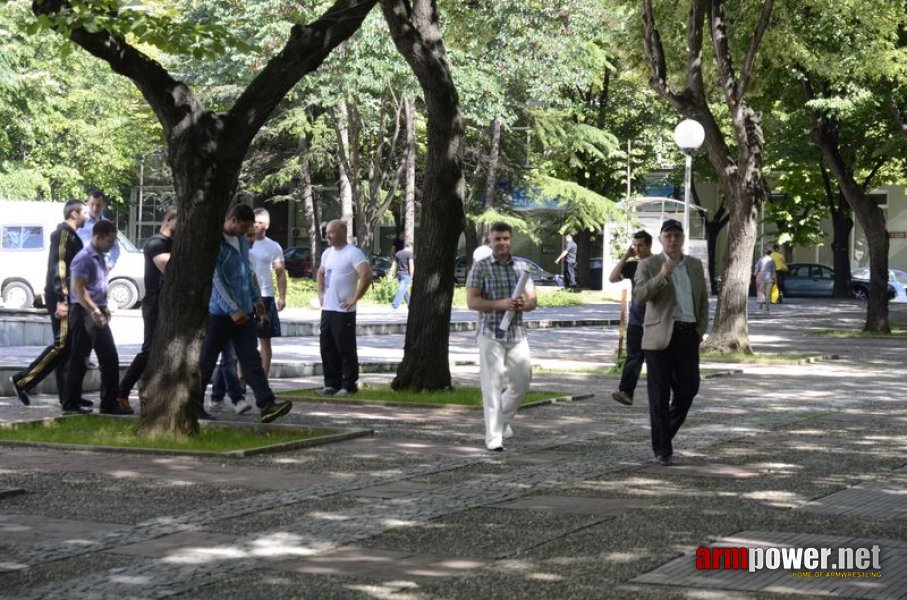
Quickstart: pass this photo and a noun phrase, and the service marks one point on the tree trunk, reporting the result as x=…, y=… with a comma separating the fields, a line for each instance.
x=409, y=192
x=345, y=166
x=825, y=134
x=713, y=229
x=842, y=225
x=583, y=241
x=491, y=171
x=306, y=193
x=415, y=29
x=206, y=151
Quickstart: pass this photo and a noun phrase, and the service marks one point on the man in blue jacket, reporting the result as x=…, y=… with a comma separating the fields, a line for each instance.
x=234, y=301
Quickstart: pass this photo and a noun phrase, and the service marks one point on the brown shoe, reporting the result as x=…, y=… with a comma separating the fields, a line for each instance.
x=125, y=407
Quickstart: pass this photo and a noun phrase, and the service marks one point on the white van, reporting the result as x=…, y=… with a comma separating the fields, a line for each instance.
x=25, y=229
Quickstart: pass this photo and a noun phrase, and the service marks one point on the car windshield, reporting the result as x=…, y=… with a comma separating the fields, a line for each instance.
x=124, y=242
x=900, y=277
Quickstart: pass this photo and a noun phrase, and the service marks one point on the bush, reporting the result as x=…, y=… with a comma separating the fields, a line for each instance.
x=382, y=291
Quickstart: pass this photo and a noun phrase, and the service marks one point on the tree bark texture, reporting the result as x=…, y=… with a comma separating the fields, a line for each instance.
x=409, y=191
x=740, y=177
x=205, y=152
x=842, y=225
x=416, y=33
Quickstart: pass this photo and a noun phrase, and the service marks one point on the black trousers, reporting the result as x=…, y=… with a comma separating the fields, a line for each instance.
x=673, y=382
x=85, y=336
x=52, y=359
x=635, y=359
x=339, y=357
x=137, y=367
x=570, y=274
x=220, y=331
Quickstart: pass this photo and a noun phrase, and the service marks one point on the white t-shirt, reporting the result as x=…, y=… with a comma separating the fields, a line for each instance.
x=340, y=276
x=264, y=253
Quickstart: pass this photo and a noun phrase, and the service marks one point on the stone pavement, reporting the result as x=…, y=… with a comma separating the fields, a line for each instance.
x=776, y=455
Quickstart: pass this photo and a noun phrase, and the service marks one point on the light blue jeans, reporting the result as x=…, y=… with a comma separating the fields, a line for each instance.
x=402, y=290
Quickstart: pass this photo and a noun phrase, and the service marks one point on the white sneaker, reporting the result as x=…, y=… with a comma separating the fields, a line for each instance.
x=342, y=392
x=242, y=407
x=508, y=433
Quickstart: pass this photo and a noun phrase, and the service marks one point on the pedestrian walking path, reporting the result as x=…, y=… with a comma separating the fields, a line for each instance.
x=806, y=455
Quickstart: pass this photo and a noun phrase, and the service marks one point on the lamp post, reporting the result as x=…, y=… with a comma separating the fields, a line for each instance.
x=688, y=135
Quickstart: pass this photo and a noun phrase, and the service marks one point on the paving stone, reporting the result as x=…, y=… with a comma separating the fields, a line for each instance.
x=369, y=563
x=577, y=505
x=408, y=447
x=709, y=470
x=34, y=529
x=886, y=583
x=875, y=500
x=186, y=546
x=541, y=458
x=397, y=489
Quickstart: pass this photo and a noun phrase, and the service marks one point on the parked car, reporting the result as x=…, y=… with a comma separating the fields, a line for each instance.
x=24, y=247
x=897, y=284
x=298, y=261
x=539, y=275
x=809, y=279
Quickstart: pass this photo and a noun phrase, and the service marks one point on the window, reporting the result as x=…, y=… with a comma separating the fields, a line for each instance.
x=27, y=237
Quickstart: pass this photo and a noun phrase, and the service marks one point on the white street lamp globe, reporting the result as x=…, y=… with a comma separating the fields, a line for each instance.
x=689, y=135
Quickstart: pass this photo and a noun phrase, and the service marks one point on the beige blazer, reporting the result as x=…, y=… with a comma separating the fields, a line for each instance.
x=657, y=292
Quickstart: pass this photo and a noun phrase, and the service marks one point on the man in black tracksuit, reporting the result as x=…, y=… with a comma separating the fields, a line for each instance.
x=64, y=245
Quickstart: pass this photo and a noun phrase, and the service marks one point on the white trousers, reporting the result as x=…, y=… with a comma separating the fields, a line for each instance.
x=505, y=373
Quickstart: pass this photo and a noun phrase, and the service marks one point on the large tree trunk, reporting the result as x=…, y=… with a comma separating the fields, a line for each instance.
x=415, y=29
x=825, y=134
x=206, y=151
x=346, y=167
x=491, y=170
x=842, y=225
x=740, y=178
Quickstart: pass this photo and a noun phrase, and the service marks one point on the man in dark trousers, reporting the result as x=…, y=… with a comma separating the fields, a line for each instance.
x=89, y=319
x=235, y=299
x=672, y=285
x=640, y=249
x=569, y=258
x=64, y=245
x=157, y=255
x=404, y=268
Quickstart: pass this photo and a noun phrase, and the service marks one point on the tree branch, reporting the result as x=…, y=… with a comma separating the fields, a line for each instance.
x=726, y=77
x=898, y=115
x=305, y=50
x=655, y=55
x=755, y=41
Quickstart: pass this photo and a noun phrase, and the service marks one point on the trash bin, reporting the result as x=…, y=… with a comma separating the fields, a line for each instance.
x=595, y=273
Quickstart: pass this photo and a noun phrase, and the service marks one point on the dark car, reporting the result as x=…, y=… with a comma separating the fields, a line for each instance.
x=809, y=279
x=897, y=281
x=539, y=275
x=298, y=260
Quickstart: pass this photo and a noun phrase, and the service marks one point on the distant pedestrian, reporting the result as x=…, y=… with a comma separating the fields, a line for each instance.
x=569, y=258
x=234, y=300
x=780, y=272
x=640, y=249
x=89, y=319
x=765, y=279
x=405, y=268
x=157, y=255
x=343, y=279
x=95, y=207
x=505, y=366
x=672, y=285
x=64, y=245
x=267, y=260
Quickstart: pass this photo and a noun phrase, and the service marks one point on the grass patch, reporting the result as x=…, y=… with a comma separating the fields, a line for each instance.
x=762, y=357
x=851, y=333
x=459, y=396
x=99, y=430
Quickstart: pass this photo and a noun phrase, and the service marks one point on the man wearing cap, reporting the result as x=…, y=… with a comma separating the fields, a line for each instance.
x=672, y=286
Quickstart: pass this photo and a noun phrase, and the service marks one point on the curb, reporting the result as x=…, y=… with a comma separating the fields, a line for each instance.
x=465, y=408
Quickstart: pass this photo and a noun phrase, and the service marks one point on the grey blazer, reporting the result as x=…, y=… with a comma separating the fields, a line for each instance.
x=657, y=292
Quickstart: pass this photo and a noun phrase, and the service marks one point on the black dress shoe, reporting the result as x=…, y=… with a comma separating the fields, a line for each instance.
x=664, y=460
x=76, y=410
x=85, y=402
x=116, y=410
x=498, y=449
x=23, y=397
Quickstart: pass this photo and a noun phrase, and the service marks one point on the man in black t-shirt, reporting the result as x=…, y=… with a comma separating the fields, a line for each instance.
x=405, y=268
x=626, y=269
x=157, y=255
x=569, y=258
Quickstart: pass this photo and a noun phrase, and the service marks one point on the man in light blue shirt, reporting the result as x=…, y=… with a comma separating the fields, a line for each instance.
x=95, y=205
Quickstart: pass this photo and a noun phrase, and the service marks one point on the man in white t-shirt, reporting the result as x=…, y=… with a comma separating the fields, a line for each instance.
x=343, y=278
x=267, y=259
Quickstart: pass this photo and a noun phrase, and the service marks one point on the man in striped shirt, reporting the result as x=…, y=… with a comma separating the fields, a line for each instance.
x=505, y=367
